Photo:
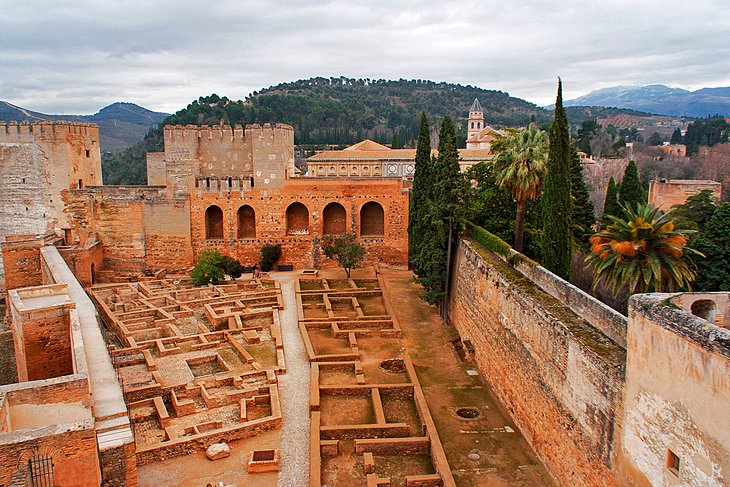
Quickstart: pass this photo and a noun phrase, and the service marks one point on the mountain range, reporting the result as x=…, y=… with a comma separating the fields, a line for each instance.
x=661, y=100
x=121, y=125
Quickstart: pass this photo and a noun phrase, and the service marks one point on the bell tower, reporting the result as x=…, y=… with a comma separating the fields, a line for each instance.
x=476, y=119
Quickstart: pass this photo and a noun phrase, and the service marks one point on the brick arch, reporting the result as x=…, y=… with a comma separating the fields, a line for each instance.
x=372, y=220
x=213, y=222
x=334, y=219
x=297, y=219
x=246, y=222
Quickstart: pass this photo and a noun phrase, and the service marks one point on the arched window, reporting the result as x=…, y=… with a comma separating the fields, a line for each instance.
x=372, y=220
x=297, y=219
x=334, y=219
x=213, y=222
x=246, y=222
x=705, y=309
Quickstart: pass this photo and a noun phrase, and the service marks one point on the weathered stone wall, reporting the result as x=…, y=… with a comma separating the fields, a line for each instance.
x=677, y=395
x=119, y=466
x=73, y=452
x=43, y=344
x=597, y=174
x=665, y=194
x=37, y=162
x=139, y=228
x=560, y=378
x=84, y=262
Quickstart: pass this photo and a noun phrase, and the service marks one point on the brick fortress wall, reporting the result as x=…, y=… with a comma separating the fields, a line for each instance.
x=302, y=247
x=37, y=162
x=559, y=377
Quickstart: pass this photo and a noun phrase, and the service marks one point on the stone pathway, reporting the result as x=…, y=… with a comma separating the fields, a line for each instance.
x=294, y=394
x=483, y=450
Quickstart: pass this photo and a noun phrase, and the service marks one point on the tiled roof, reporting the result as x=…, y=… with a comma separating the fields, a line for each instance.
x=476, y=106
x=367, y=150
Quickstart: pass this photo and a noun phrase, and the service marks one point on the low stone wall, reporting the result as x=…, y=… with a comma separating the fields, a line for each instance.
x=560, y=377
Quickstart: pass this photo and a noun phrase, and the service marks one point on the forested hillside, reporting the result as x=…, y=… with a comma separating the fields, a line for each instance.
x=344, y=111
x=335, y=111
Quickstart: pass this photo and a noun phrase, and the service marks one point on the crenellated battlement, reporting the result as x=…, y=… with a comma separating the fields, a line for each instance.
x=239, y=133
x=16, y=132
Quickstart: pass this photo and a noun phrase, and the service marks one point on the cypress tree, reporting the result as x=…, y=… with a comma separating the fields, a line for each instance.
x=556, y=204
x=610, y=205
x=445, y=209
x=420, y=193
x=583, y=210
x=631, y=191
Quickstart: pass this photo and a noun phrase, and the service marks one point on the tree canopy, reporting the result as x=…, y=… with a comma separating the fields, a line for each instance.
x=713, y=273
x=556, y=203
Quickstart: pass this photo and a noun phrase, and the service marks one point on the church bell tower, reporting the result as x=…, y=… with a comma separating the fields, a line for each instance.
x=476, y=119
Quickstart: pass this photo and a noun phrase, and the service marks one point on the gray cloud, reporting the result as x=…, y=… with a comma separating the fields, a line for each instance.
x=77, y=56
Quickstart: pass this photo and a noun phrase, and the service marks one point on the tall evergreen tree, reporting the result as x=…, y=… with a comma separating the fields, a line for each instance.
x=713, y=272
x=420, y=193
x=610, y=205
x=631, y=191
x=444, y=213
x=556, y=205
x=583, y=211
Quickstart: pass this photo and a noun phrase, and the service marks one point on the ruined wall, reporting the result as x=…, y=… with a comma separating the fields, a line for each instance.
x=43, y=343
x=560, y=378
x=597, y=174
x=665, y=194
x=301, y=248
x=677, y=394
x=139, y=227
x=84, y=262
x=37, y=162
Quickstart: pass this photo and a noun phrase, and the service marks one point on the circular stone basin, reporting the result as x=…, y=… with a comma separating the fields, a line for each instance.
x=393, y=365
x=468, y=413
x=474, y=456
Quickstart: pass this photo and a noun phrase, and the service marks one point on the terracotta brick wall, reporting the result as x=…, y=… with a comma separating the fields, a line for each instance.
x=560, y=379
x=75, y=461
x=43, y=351
x=302, y=250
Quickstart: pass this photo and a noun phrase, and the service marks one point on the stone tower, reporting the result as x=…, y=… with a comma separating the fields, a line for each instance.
x=476, y=119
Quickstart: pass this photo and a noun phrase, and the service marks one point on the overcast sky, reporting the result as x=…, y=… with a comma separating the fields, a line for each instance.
x=77, y=56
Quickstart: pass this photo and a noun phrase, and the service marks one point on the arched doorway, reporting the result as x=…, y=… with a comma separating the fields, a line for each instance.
x=297, y=219
x=372, y=220
x=334, y=219
x=213, y=223
x=246, y=222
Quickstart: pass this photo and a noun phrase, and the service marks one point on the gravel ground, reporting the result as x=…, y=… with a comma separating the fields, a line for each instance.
x=294, y=394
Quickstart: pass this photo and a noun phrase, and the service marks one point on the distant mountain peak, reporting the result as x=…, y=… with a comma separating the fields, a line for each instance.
x=660, y=99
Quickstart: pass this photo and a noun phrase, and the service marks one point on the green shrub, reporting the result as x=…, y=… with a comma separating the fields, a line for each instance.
x=270, y=253
x=232, y=267
x=208, y=269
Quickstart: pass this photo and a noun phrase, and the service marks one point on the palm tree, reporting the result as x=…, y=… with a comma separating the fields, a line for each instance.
x=520, y=166
x=641, y=252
